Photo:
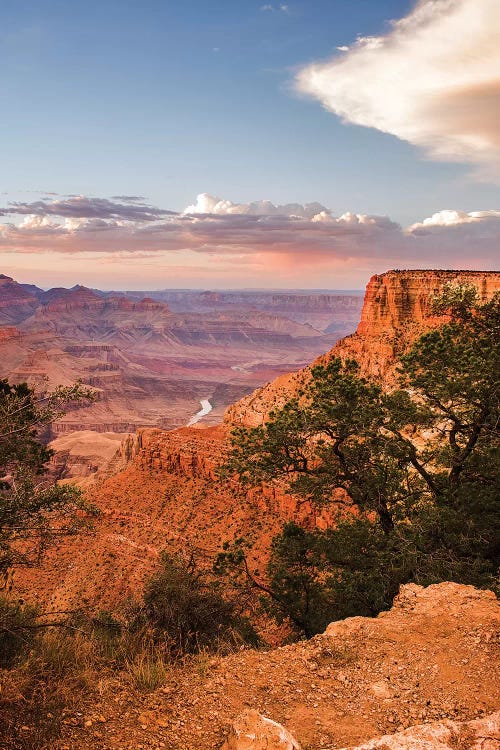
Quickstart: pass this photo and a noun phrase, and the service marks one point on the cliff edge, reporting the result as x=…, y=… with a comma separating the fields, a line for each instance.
x=396, y=310
x=431, y=658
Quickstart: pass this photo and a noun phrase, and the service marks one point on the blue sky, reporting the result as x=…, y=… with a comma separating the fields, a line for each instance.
x=168, y=100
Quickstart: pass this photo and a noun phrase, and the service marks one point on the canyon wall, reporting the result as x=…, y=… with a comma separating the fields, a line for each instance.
x=149, y=365
x=167, y=496
x=396, y=310
x=331, y=312
x=7, y=333
x=16, y=303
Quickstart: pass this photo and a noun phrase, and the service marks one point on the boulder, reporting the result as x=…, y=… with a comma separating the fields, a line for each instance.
x=252, y=731
x=481, y=734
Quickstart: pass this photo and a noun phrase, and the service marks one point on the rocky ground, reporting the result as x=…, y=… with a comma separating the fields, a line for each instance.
x=434, y=656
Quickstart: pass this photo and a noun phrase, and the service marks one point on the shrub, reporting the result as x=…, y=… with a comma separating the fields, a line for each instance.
x=187, y=612
x=17, y=632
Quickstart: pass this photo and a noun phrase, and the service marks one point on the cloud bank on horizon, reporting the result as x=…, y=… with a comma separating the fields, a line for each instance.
x=293, y=240
x=433, y=81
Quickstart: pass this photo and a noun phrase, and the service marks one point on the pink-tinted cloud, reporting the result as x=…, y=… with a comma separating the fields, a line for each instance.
x=214, y=233
x=127, y=208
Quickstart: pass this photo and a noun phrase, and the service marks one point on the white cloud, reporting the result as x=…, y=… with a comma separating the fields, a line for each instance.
x=466, y=239
x=433, y=80
x=37, y=222
x=210, y=204
x=450, y=218
x=458, y=231
x=283, y=8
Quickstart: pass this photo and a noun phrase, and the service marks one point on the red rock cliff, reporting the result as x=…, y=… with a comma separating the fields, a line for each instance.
x=396, y=309
x=167, y=496
x=7, y=333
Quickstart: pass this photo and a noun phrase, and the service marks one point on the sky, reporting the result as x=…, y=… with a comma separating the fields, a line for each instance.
x=223, y=144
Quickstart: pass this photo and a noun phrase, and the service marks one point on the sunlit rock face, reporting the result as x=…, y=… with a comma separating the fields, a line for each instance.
x=396, y=310
x=159, y=490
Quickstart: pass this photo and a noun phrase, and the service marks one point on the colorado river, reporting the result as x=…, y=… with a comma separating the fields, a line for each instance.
x=206, y=408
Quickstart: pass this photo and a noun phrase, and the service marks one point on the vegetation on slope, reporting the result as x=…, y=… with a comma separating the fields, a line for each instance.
x=416, y=468
x=50, y=662
x=34, y=513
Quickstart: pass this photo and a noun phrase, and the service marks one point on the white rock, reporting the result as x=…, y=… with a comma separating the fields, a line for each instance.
x=481, y=734
x=381, y=689
x=252, y=731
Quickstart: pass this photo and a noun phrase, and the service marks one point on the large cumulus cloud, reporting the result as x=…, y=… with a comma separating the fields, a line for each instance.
x=433, y=80
x=210, y=204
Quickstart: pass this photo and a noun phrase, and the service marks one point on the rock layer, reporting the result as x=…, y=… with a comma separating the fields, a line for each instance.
x=328, y=312
x=16, y=303
x=167, y=496
x=149, y=365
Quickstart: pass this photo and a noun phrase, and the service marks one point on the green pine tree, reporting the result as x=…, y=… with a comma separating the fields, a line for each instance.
x=418, y=465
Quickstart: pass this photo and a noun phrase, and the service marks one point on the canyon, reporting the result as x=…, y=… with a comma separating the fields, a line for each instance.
x=151, y=365
x=321, y=309
x=426, y=669
x=161, y=489
x=397, y=309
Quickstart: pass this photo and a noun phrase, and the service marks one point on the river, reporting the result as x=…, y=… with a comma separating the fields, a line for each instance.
x=206, y=408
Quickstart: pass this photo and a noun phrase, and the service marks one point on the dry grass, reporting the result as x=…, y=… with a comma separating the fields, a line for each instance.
x=61, y=670
x=147, y=671
x=51, y=671
x=52, y=677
